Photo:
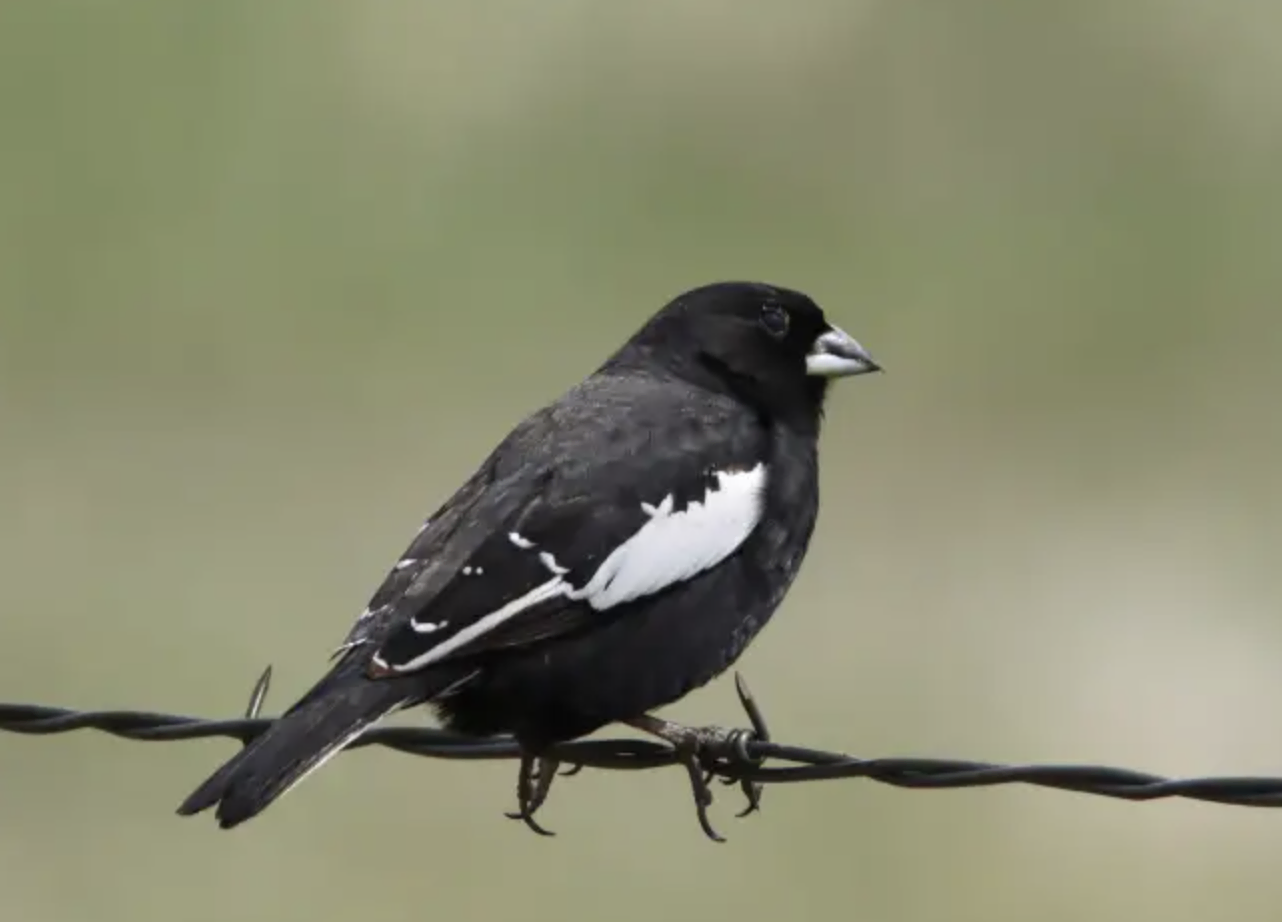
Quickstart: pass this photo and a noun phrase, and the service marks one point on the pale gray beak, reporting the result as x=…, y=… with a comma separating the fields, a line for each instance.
x=836, y=354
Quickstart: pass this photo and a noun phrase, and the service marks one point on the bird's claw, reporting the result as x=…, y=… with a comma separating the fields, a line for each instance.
x=533, y=784
x=752, y=791
x=716, y=752
x=702, y=792
x=706, y=753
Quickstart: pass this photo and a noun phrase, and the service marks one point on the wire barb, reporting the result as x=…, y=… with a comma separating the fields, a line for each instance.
x=751, y=750
x=752, y=790
x=258, y=696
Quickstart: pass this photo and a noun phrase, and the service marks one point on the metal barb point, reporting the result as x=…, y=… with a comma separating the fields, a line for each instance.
x=259, y=694
x=760, y=730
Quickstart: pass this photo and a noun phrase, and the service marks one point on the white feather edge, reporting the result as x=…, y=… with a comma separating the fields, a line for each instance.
x=670, y=548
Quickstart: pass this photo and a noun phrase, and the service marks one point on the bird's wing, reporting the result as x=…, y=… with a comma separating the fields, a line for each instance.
x=604, y=509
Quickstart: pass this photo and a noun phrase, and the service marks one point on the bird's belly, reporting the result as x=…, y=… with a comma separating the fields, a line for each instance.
x=641, y=656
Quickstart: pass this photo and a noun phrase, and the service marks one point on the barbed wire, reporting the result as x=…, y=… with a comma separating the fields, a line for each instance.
x=740, y=759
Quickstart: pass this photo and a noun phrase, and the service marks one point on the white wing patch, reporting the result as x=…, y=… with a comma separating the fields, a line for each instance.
x=674, y=546
x=668, y=549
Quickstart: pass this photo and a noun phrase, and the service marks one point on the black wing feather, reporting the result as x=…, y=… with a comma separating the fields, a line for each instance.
x=566, y=540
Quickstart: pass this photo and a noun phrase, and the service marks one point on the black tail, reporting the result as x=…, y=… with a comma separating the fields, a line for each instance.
x=315, y=729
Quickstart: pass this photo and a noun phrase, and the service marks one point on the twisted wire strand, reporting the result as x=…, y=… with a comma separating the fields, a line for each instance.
x=630, y=754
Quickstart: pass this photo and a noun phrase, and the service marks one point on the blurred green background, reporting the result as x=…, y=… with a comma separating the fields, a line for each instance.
x=274, y=277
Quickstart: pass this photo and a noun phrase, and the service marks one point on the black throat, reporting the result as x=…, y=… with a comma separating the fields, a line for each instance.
x=798, y=404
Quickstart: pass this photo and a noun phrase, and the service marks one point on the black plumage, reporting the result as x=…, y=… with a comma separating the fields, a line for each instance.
x=618, y=549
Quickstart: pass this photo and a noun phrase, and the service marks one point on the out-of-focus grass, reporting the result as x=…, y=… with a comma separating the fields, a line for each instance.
x=275, y=277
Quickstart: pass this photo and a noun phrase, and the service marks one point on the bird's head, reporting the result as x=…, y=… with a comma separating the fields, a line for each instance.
x=771, y=345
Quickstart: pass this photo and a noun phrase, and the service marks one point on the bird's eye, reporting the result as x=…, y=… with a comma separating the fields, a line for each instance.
x=774, y=320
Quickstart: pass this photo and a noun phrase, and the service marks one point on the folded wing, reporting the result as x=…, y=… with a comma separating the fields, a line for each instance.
x=576, y=551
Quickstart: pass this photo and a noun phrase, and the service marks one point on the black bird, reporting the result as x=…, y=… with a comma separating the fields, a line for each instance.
x=619, y=548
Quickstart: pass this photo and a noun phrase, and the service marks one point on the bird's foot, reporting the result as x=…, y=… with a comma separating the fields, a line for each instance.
x=533, y=783
x=709, y=752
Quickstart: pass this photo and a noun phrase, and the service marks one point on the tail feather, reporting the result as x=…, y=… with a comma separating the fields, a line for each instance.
x=313, y=731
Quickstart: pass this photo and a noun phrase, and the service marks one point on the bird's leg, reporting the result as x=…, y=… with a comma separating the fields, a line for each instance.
x=533, y=783
x=706, y=751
